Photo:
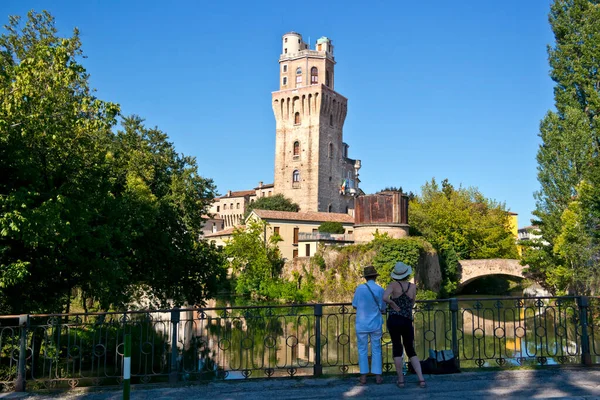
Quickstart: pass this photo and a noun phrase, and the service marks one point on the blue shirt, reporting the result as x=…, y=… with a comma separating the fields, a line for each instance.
x=368, y=312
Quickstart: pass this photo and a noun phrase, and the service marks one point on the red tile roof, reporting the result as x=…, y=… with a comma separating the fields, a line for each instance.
x=305, y=216
x=239, y=193
x=266, y=186
x=224, y=232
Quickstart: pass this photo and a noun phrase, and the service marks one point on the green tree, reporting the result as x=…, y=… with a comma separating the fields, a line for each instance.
x=277, y=202
x=331, y=227
x=461, y=224
x=570, y=144
x=80, y=207
x=257, y=266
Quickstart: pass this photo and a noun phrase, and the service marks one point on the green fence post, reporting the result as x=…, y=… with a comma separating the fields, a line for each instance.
x=318, y=367
x=586, y=357
x=454, y=321
x=21, y=369
x=127, y=367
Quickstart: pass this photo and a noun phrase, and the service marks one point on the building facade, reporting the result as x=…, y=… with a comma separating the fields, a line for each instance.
x=232, y=206
x=312, y=167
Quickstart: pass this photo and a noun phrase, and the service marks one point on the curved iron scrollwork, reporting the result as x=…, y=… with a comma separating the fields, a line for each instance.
x=291, y=340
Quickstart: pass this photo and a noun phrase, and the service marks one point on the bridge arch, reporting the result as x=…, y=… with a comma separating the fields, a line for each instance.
x=473, y=269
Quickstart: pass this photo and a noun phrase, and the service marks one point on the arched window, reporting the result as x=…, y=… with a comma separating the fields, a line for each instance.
x=330, y=154
x=297, y=118
x=296, y=148
x=296, y=176
x=329, y=208
x=330, y=119
x=299, y=71
x=314, y=76
x=327, y=78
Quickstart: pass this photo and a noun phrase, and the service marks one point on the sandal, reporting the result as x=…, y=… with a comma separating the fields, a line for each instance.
x=422, y=384
x=400, y=384
x=379, y=380
x=362, y=380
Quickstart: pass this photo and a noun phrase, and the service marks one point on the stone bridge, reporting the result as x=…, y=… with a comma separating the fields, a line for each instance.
x=473, y=269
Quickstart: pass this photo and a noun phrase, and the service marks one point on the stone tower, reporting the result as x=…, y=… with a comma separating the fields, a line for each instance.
x=311, y=159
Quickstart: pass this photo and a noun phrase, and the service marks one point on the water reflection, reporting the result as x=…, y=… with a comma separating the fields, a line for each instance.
x=491, y=332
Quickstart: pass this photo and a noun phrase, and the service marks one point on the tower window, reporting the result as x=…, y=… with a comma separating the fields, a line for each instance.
x=284, y=81
x=314, y=76
x=285, y=51
x=330, y=119
x=296, y=148
x=296, y=176
x=330, y=154
x=297, y=118
x=327, y=78
x=299, y=71
x=284, y=67
x=285, y=40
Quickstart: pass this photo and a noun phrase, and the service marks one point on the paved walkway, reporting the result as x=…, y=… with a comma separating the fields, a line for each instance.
x=564, y=383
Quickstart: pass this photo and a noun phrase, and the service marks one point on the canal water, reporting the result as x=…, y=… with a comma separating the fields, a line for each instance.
x=491, y=330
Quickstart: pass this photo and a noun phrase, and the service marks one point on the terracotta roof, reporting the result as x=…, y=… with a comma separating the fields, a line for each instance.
x=224, y=232
x=214, y=217
x=512, y=213
x=266, y=186
x=529, y=227
x=239, y=193
x=305, y=216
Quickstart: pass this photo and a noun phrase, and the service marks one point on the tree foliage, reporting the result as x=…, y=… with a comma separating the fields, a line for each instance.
x=111, y=215
x=277, y=202
x=461, y=224
x=257, y=265
x=566, y=257
x=331, y=227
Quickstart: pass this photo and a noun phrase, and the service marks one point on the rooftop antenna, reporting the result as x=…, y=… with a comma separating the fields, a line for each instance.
x=309, y=42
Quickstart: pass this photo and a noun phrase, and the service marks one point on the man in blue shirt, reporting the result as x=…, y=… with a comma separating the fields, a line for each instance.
x=368, y=302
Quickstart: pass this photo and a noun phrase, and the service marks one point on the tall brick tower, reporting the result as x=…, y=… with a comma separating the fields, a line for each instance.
x=311, y=159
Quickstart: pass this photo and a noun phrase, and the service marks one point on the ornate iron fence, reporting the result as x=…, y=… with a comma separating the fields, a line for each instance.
x=269, y=341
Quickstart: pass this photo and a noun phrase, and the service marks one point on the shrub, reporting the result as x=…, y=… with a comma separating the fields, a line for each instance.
x=331, y=227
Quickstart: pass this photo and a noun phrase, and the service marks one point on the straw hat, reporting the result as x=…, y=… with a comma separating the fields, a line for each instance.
x=401, y=270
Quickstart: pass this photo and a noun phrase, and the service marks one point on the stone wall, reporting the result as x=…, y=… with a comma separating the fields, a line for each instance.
x=365, y=233
x=348, y=273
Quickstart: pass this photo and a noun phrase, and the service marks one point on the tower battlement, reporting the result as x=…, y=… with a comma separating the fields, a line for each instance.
x=312, y=166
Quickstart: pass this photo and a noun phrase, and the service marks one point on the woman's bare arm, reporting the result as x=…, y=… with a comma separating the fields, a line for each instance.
x=387, y=294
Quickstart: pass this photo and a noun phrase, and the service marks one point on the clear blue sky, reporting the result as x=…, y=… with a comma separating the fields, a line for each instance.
x=444, y=89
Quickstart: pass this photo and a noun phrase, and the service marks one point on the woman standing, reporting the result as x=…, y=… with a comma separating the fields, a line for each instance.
x=400, y=296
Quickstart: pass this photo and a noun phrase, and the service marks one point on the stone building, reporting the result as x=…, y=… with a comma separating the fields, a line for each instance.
x=231, y=207
x=312, y=166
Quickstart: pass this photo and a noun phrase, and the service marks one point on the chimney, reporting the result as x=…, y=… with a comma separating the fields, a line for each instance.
x=229, y=193
x=260, y=184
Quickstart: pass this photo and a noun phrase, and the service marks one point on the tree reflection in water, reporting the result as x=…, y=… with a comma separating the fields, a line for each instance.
x=281, y=340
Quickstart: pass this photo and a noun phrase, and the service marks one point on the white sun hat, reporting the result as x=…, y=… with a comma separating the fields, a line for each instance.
x=401, y=270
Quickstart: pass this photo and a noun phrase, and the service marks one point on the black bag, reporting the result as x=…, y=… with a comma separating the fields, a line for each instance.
x=439, y=362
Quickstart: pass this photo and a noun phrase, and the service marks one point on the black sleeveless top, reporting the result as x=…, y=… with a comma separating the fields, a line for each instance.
x=405, y=303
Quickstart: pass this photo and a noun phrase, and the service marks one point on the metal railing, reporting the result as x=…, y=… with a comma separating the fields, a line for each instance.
x=323, y=236
x=47, y=351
